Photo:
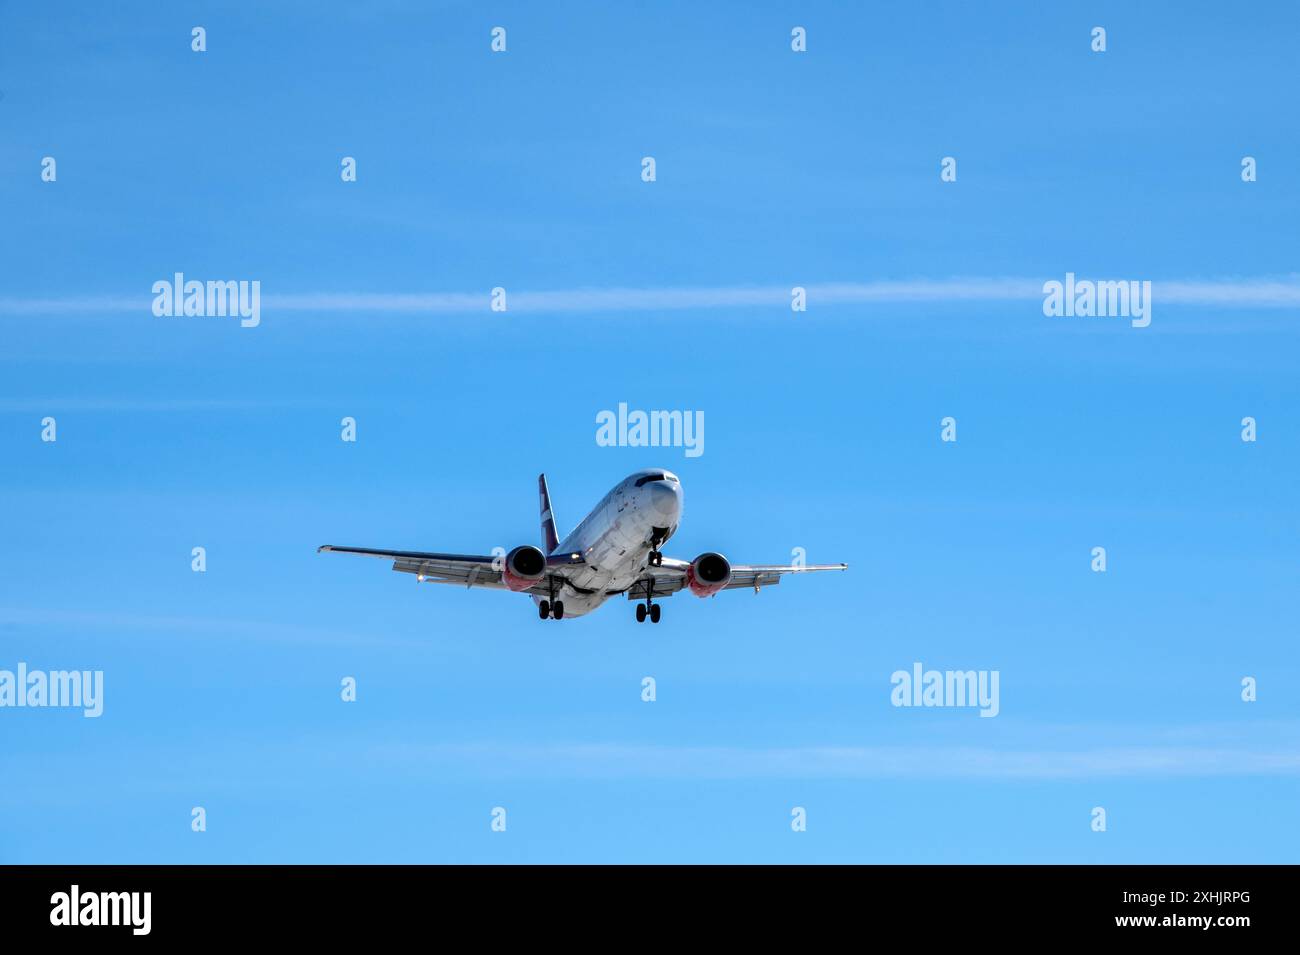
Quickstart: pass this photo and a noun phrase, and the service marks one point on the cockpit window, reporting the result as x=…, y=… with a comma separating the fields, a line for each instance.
x=647, y=478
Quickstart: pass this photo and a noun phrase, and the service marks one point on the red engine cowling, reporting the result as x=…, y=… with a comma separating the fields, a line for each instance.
x=708, y=574
x=523, y=568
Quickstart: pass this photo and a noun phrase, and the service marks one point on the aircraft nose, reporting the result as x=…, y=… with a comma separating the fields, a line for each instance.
x=665, y=499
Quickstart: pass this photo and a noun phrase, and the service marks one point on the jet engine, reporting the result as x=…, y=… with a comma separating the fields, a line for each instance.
x=523, y=568
x=708, y=574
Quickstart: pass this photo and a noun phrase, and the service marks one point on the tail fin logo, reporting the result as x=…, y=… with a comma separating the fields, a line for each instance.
x=550, y=540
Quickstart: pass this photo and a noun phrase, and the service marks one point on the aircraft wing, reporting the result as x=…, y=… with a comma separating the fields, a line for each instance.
x=471, y=570
x=669, y=578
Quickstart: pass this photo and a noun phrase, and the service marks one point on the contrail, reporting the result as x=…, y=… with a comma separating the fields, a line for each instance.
x=1250, y=293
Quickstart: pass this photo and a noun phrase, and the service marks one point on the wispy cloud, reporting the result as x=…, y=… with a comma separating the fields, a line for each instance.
x=130, y=405
x=244, y=761
x=921, y=761
x=73, y=304
x=1247, y=293
x=256, y=763
x=129, y=624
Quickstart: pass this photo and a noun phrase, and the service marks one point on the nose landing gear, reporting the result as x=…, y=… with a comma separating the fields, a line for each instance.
x=657, y=536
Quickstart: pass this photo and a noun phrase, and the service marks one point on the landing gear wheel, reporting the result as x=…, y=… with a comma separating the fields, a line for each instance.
x=544, y=609
x=656, y=559
x=654, y=613
x=640, y=613
x=558, y=610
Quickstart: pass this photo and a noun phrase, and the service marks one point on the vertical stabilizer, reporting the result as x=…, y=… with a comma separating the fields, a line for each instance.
x=550, y=540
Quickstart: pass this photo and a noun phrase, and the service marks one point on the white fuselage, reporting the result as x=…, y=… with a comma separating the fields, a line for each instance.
x=616, y=538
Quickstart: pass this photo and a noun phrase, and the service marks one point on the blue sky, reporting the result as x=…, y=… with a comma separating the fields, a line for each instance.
x=775, y=169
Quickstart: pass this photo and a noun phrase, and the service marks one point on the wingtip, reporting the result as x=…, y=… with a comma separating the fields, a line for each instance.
x=324, y=547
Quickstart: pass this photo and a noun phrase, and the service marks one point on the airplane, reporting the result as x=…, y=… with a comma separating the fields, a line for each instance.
x=614, y=551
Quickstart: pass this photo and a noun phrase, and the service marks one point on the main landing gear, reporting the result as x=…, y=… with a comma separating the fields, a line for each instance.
x=547, y=609
x=647, y=609
x=656, y=558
